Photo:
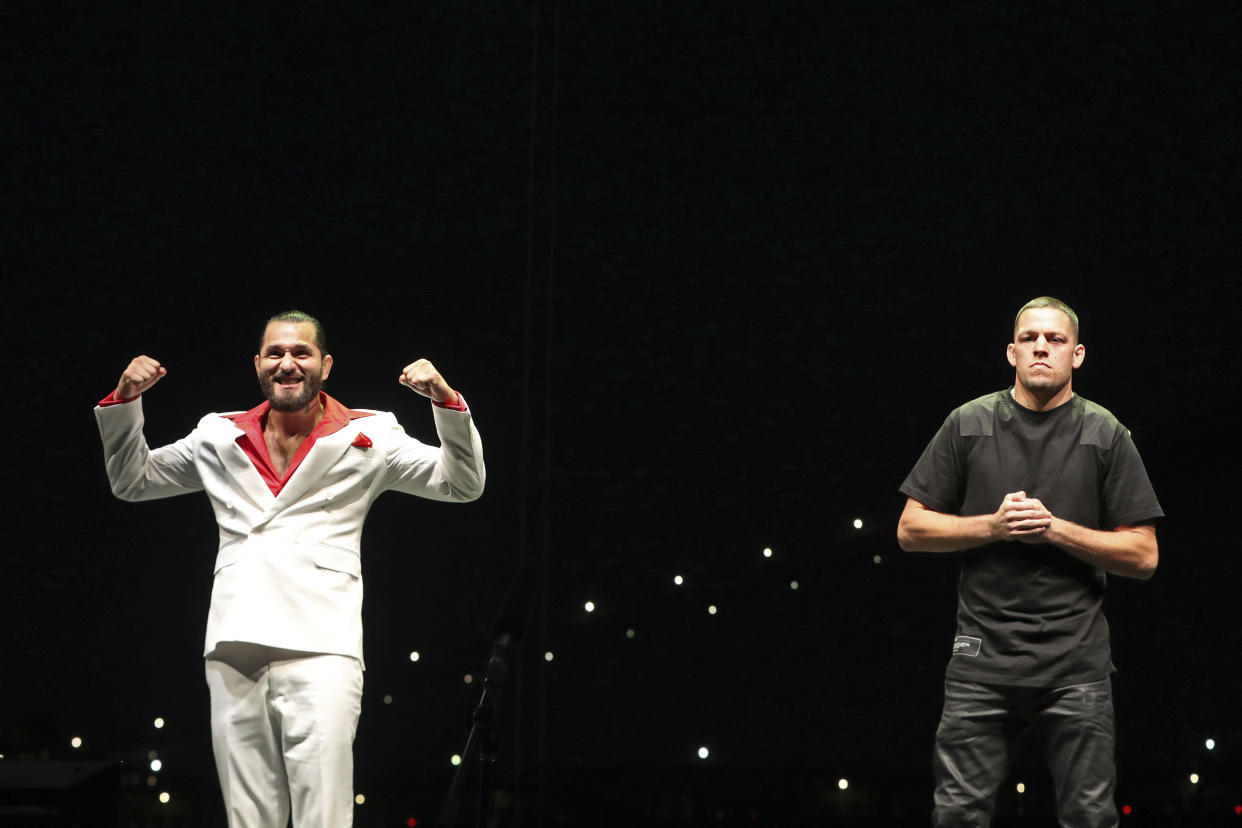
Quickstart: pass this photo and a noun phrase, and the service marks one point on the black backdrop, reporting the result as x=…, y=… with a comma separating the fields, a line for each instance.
x=709, y=275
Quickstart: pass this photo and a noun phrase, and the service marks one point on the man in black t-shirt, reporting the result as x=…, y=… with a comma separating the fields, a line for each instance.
x=1043, y=492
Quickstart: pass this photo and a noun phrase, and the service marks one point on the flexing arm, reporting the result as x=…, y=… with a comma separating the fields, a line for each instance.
x=135, y=472
x=455, y=470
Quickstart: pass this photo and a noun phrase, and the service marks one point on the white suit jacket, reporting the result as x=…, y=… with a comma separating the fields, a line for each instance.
x=289, y=571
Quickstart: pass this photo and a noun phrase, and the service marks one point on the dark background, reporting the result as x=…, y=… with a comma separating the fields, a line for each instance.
x=710, y=274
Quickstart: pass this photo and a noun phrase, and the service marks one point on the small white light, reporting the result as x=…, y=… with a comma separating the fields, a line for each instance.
x=1210, y=744
x=843, y=783
x=76, y=741
x=547, y=656
x=857, y=523
x=469, y=678
x=455, y=760
x=704, y=753
x=711, y=610
x=1194, y=779
x=165, y=798
x=793, y=584
x=677, y=579
x=414, y=656
x=1021, y=787
x=589, y=606
x=387, y=699
x=767, y=552
x=360, y=799
x=877, y=559
x=629, y=633
x=156, y=765
x=159, y=723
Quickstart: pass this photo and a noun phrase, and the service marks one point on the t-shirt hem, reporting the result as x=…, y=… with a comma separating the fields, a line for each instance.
x=1001, y=679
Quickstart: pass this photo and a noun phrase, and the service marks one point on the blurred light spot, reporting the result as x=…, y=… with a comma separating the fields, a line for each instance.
x=152, y=781
x=711, y=610
x=414, y=655
x=1210, y=744
x=1021, y=787
x=387, y=699
x=360, y=799
x=411, y=822
x=1194, y=779
x=165, y=797
x=1126, y=809
x=767, y=552
x=677, y=579
x=878, y=559
x=843, y=783
x=629, y=633
x=704, y=753
x=857, y=523
x=589, y=606
x=159, y=722
x=151, y=754
x=469, y=678
x=793, y=584
x=76, y=741
x=456, y=760
x=156, y=765
x=547, y=656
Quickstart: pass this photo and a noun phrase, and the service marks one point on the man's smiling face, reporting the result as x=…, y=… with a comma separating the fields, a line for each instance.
x=290, y=366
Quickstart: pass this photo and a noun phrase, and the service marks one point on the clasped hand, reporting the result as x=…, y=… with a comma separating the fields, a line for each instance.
x=1022, y=518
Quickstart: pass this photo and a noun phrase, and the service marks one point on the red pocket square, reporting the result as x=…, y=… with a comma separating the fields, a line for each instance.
x=362, y=441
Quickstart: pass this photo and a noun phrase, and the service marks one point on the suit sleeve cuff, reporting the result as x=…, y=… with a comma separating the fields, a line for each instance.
x=460, y=405
x=113, y=399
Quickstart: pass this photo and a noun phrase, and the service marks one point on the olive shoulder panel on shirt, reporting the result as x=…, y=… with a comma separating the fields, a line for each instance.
x=977, y=418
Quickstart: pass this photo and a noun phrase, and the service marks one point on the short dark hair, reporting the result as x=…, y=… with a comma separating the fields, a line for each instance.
x=298, y=316
x=1048, y=302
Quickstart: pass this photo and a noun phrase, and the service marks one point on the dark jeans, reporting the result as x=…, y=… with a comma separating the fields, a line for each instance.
x=981, y=724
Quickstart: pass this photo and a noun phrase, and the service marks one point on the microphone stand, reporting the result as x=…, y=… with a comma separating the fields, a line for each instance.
x=484, y=723
x=481, y=741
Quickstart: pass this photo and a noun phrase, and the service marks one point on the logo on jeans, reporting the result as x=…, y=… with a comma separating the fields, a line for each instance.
x=967, y=645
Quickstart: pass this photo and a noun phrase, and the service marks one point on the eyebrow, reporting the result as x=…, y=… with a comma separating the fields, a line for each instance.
x=282, y=347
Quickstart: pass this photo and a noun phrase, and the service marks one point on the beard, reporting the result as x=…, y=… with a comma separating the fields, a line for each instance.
x=291, y=402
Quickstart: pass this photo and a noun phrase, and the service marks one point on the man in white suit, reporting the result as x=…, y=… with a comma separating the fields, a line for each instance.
x=290, y=482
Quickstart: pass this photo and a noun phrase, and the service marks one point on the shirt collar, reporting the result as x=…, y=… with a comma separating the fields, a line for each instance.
x=335, y=417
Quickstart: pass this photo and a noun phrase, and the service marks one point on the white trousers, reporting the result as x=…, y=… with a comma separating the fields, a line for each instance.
x=282, y=730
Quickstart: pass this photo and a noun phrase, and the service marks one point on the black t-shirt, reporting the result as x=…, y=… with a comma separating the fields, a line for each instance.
x=1031, y=614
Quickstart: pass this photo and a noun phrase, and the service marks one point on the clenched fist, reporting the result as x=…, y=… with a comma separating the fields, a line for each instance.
x=141, y=374
x=423, y=377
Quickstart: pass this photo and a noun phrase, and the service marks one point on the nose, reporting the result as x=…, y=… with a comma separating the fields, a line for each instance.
x=1041, y=345
x=287, y=364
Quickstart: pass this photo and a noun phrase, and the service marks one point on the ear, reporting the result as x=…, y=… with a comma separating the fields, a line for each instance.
x=1080, y=353
x=327, y=365
x=1009, y=354
x=256, y=363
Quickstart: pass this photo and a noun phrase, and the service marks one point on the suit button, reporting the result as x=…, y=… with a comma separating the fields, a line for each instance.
x=229, y=505
x=327, y=495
